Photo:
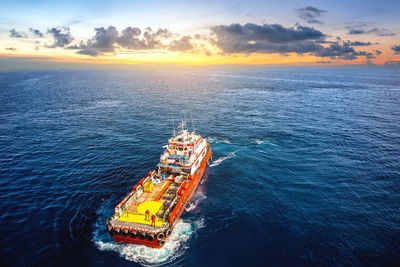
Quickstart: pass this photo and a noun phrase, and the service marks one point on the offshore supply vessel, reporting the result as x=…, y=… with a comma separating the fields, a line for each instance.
x=148, y=214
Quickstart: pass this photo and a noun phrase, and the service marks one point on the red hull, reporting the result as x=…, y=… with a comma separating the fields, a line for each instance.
x=176, y=212
x=130, y=240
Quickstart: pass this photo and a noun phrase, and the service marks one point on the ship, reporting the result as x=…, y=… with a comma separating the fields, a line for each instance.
x=149, y=213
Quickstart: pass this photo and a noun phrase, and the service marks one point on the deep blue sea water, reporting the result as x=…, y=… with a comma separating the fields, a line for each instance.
x=305, y=170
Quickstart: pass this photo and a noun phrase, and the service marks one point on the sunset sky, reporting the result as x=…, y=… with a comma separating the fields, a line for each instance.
x=74, y=33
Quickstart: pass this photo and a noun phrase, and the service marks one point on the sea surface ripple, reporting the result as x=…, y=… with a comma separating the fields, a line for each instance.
x=305, y=168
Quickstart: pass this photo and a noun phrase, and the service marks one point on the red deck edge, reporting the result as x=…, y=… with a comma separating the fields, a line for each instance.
x=176, y=212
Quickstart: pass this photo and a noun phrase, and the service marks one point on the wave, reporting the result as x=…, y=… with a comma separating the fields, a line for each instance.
x=70, y=224
x=249, y=142
x=261, y=142
x=198, y=196
x=215, y=140
x=106, y=104
x=191, y=206
x=329, y=83
x=173, y=248
x=83, y=107
x=221, y=159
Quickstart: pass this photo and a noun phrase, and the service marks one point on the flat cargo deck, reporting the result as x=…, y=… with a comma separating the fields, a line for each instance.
x=157, y=201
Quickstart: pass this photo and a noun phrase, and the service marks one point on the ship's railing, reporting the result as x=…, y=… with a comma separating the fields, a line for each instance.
x=136, y=225
x=127, y=201
x=122, y=207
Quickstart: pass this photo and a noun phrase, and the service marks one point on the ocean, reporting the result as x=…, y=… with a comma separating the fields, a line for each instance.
x=305, y=169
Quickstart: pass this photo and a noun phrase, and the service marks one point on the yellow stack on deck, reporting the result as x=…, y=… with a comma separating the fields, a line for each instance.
x=148, y=186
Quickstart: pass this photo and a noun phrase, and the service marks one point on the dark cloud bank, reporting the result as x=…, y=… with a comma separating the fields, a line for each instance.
x=275, y=38
x=396, y=49
x=229, y=39
x=108, y=40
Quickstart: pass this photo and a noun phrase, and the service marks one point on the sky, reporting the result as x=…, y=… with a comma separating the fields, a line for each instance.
x=72, y=34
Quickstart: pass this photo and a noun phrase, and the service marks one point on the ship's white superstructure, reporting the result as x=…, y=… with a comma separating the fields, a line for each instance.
x=184, y=153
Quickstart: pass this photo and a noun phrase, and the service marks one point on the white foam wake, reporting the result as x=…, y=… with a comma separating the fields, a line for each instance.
x=221, y=159
x=260, y=142
x=191, y=206
x=197, y=197
x=217, y=140
x=173, y=248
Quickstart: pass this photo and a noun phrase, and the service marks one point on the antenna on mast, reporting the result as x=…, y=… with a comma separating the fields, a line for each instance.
x=173, y=123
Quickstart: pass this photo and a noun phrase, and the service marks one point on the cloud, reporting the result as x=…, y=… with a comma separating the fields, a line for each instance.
x=310, y=14
x=378, y=52
x=11, y=48
x=355, y=31
x=275, y=38
x=37, y=33
x=108, y=40
x=104, y=40
x=152, y=39
x=358, y=43
x=369, y=63
x=15, y=34
x=89, y=52
x=392, y=63
x=37, y=45
x=267, y=38
x=365, y=54
x=341, y=50
x=324, y=62
x=183, y=44
x=274, y=33
x=131, y=38
x=396, y=49
x=62, y=37
x=230, y=39
x=381, y=32
x=376, y=31
x=81, y=45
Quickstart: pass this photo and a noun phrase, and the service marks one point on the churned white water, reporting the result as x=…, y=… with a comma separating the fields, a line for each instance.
x=173, y=248
x=221, y=159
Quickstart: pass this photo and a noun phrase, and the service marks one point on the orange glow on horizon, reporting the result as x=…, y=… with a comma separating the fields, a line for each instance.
x=190, y=59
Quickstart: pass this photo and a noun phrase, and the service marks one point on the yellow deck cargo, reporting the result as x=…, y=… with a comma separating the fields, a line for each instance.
x=148, y=186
